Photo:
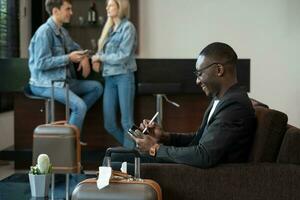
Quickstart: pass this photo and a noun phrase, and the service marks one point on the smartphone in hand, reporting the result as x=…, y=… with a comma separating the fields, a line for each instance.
x=84, y=52
x=134, y=131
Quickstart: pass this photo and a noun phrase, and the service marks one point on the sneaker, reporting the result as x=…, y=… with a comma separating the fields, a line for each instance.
x=83, y=143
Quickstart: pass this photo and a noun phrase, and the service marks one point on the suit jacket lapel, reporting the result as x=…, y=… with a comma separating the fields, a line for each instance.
x=220, y=104
x=203, y=125
x=205, y=117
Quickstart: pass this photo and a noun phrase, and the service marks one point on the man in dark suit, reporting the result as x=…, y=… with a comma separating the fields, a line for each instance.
x=227, y=129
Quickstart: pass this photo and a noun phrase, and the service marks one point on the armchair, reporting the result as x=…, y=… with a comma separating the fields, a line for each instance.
x=270, y=173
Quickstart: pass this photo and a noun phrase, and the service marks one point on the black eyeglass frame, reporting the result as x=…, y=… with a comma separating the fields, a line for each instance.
x=199, y=72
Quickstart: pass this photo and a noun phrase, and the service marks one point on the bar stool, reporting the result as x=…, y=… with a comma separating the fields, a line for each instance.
x=159, y=90
x=28, y=93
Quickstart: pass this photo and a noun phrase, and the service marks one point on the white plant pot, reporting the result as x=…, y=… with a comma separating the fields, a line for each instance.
x=39, y=184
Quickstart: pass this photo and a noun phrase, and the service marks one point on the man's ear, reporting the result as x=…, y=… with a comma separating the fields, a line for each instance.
x=55, y=11
x=221, y=70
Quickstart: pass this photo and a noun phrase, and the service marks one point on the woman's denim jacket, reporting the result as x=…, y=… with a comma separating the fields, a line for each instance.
x=48, y=54
x=118, y=54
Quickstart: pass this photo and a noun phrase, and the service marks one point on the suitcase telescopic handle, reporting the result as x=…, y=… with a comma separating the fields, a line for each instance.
x=137, y=161
x=67, y=99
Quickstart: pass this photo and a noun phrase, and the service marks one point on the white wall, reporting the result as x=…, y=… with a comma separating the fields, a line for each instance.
x=267, y=32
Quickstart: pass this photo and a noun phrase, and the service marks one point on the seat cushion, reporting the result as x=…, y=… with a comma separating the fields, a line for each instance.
x=271, y=126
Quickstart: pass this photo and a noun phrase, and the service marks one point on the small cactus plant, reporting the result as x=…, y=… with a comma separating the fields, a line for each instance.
x=43, y=165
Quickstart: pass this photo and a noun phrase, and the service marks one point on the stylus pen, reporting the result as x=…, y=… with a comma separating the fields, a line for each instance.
x=153, y=118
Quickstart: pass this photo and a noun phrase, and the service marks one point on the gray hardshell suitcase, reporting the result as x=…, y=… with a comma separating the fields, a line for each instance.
x=119, y=188
x=59, y=140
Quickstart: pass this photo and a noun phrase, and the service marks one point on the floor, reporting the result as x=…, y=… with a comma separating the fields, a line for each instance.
x=6, y=140
x=6, y=169
x=6, y=129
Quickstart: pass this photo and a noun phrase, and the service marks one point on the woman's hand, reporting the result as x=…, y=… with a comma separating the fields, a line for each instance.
x=96, y=66
x=95, y=58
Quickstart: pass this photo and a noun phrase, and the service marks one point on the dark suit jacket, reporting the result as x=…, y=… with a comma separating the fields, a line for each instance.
x=226, y=138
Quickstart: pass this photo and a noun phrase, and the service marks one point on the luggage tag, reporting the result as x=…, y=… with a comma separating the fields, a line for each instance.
x=103, y=177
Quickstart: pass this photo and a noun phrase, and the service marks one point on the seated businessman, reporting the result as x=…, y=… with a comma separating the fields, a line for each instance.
x=226, y=132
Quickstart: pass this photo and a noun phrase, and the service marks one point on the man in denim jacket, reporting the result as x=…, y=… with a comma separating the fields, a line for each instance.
x=51, y=54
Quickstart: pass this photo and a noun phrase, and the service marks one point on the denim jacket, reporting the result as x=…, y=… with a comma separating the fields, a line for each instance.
x=118, y=54
x=48, y=57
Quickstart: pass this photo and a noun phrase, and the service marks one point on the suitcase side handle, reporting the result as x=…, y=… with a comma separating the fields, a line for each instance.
x=111, y=150
x=137, y=160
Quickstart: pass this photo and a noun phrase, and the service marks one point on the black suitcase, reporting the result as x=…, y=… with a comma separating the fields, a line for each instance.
x=119, y=188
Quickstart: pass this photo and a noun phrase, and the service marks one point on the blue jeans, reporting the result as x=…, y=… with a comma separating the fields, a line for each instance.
x=82, y=95
x=119, y=91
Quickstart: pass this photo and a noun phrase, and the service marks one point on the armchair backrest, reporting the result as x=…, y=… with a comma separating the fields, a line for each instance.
x=290, y=147
x=271, y=127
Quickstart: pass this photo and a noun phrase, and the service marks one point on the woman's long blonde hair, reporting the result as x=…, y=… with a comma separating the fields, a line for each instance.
x=124, y=11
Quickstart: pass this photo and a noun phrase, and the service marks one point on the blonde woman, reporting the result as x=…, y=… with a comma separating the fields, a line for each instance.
x=116, y=58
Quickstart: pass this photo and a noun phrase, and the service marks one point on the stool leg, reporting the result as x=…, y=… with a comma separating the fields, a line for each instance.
x=52, y=186
x=67, y=186
x=159, y=108
x=47, y=111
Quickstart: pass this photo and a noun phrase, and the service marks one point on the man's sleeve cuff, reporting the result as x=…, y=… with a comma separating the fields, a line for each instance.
x=66, y=59
x=162, y=151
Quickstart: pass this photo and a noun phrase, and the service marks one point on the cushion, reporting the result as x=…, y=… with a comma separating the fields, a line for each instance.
x=271, y=126
x=290, y=147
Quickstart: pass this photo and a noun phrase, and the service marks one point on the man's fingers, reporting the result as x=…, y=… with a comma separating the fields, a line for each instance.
x=147, y=123
x=132, y=137
x=79, y=67
x=138, y=141
x=142, y=126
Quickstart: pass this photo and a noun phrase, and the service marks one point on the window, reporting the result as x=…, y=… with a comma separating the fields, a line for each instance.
x=3, y=28
x=9, y=41
x=9, y=28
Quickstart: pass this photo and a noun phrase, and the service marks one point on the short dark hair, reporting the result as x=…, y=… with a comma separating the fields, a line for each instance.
x=220, y=52
x=50, y=4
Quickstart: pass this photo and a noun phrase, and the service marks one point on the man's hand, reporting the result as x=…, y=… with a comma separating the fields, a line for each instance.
x=84, y=65
x=76, y=56
x=144, y=144
x=153, y=130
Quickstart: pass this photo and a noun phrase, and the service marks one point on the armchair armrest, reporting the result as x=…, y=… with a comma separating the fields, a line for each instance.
x=245, y=181
x=290, y=147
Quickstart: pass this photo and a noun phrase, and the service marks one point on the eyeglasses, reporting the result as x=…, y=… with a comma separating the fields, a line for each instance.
x=199, y=72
